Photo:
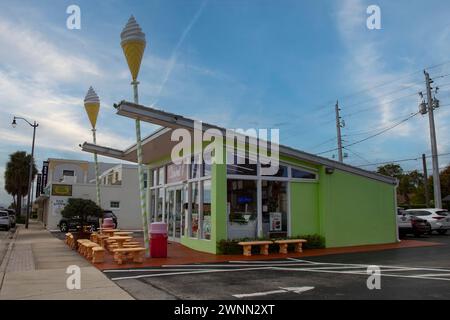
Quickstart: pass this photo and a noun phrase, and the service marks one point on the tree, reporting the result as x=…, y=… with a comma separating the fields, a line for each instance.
x=81, y=209
x=391, y=170
x=445, y=182
x=16, y=177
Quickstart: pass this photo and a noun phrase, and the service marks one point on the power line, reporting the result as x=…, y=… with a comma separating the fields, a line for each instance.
x=374, y=135
x=327, y=104
x=399, y=161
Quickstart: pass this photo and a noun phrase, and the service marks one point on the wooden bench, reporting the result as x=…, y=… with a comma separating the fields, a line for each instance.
x=121, y=254
x=263, y=245
x=284, y=245
x=98, y=254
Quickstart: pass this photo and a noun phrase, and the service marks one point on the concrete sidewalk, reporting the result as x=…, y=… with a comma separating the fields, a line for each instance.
x=35, y=268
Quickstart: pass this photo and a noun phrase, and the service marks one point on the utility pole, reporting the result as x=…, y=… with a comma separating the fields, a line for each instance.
x=425, y=180
x=338, y=128
x=434, y=153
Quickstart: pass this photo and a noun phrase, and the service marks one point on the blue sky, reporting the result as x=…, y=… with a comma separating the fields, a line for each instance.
x=237, y=63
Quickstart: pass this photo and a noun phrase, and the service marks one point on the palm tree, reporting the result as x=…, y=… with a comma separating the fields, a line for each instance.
x=16, y=177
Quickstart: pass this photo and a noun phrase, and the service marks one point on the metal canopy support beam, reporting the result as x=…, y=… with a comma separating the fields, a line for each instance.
x=104, y=151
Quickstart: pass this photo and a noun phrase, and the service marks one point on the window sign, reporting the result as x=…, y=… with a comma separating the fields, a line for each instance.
x=275, y=221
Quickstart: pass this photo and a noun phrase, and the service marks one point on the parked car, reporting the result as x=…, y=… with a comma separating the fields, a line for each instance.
x=5, y=221
x=75, y=223
x=410, y=224
x=439, y=219
x=12, y=216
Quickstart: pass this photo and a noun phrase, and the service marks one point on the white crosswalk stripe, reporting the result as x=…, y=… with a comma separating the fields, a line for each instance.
x=290, y=264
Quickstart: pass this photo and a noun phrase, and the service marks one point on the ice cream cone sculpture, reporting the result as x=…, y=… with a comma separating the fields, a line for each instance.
x=133, y=45
x=92, y=106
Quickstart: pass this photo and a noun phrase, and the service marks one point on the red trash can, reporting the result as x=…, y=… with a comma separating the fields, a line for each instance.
x=158, y=240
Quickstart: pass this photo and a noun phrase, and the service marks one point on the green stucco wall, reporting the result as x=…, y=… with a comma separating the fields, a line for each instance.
x=304, y=208
x=355, y=210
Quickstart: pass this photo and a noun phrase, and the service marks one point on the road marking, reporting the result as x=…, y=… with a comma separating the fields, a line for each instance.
x=359, y=273
x=147, y=270
x=258, y=294
x=184, y=273
x=297, y=290
x=291, y=265
x=262, y=262
x=229, y=265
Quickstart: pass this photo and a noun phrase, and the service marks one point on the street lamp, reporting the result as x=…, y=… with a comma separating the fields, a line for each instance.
x=92, y=107
x=30, y=172
x=133, y=45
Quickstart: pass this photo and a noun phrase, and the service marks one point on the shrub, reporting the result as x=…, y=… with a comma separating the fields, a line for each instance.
x=314, y=241
x=81, y=209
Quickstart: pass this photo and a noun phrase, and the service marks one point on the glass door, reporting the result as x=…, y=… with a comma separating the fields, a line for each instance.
x=174, y=204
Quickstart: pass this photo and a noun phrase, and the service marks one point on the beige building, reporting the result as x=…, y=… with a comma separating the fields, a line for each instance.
x=76, y=179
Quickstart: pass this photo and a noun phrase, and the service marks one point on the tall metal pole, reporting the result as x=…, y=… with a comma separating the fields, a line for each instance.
x=338, y=128
x=425, y=180
x=141, y=172
x=30, y=174
x=97, y=178
x=434, y=152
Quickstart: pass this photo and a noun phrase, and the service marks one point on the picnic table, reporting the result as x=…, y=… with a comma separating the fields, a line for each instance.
x=109, y=232
x=120, y=240
x=123, y=233
x=101, y=239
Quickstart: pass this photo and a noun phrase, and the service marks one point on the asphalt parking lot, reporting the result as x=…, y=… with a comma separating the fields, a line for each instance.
x=412, y=273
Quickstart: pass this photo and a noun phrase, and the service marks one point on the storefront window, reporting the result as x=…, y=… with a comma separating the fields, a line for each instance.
x=240, y=166
x=195, y=212
x=152, y=214
x=282, y=171
x=159, y=204
x=161, y=176
x=176, y=173
x=302, y=174
x=154, y=178
x=206, y=206
x=170, y=202
x=274, y=208
x=206, y=170
x=185, y=210
x=242, y=208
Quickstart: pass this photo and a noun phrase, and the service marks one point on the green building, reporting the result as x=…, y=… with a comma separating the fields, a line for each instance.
x=204, y=203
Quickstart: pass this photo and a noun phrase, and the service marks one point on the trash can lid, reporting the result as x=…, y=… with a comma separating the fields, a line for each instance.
x=158, y=227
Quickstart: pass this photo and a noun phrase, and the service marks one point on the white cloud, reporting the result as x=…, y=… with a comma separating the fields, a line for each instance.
x=42, y=60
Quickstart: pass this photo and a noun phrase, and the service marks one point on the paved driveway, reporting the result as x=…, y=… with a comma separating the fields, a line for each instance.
x=414, y=273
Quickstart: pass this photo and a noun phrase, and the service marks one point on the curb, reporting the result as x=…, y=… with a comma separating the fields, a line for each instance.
x=7, y=256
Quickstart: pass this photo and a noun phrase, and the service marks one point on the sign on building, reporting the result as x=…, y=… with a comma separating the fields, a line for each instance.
x=64, y=190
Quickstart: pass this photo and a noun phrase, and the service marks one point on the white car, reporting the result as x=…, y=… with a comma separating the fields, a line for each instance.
x=439, y=219
x=5, y=221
